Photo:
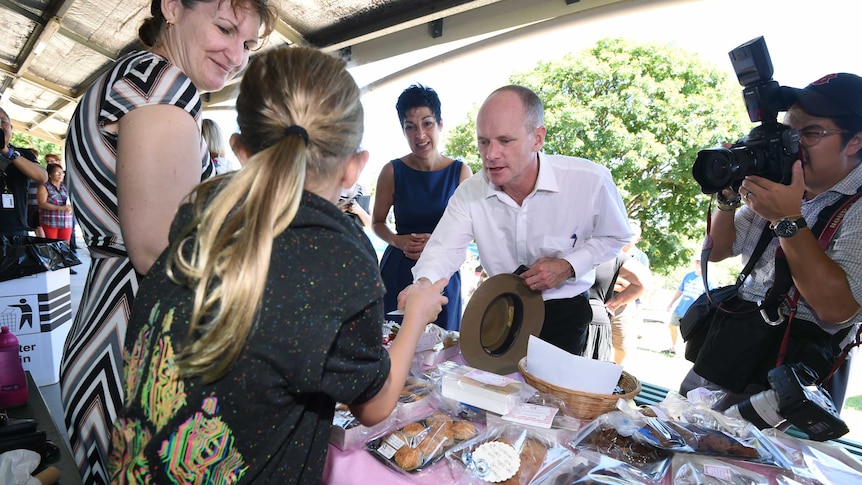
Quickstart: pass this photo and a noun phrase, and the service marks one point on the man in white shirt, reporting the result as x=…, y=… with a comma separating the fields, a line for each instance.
x=560, y=216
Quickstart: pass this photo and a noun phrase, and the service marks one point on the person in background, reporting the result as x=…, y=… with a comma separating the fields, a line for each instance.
x=32, y=202
x=690, y=289
x=255, y=360
x=417, y=188
x=215, y=144
x=55, y=159
x=626, y=318
x=739, y=351
x=560, y=216
x=605, y=302
x=134, y=151
x=55, y=208
x=19, y=170
x=351, y=202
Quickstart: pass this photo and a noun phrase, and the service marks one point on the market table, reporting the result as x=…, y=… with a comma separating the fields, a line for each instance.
x=359, y=467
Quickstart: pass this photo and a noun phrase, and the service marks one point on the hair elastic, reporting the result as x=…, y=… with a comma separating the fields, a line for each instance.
x=297, y=130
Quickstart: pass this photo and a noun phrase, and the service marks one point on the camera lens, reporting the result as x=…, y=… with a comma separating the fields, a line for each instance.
x=720, y=171
x=714, y=169
x=760, y=409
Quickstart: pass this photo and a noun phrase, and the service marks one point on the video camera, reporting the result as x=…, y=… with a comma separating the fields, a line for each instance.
x=770, y=149
x=795, y=397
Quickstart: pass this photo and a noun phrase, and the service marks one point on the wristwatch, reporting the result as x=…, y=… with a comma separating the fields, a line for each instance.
x=12, y=154
x=787, y=227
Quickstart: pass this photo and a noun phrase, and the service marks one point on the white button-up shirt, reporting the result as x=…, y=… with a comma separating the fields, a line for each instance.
x=574, y=213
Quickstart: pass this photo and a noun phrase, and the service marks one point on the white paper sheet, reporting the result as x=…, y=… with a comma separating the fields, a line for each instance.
x=556, y=366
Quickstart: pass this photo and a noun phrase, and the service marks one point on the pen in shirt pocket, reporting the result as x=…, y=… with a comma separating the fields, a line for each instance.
x=574, y=239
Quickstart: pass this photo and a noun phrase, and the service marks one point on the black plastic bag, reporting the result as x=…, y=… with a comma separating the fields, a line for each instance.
x=26, y=255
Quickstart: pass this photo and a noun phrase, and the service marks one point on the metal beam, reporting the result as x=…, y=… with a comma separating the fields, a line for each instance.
x=45, y=29
x=79, y=39
x=410, y=24
x=29, y=15
x=41, y=35
x=289, y=34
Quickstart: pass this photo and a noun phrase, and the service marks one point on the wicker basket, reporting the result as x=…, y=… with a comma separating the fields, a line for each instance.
x=583, y=405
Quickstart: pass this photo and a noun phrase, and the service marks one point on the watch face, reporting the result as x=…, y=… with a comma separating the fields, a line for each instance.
x=787, y=227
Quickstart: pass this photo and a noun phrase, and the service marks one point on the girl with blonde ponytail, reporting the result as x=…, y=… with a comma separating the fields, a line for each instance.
x=266, y=308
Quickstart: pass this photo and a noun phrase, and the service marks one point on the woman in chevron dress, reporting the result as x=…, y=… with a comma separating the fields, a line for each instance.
x=135, y=151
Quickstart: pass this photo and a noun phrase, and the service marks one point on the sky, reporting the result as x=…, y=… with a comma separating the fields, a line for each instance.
x=806, y=40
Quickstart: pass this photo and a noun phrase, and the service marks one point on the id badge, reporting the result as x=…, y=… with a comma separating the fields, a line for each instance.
x=8, y=201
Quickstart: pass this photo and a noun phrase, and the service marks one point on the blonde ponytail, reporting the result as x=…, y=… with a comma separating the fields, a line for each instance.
x=224, y=255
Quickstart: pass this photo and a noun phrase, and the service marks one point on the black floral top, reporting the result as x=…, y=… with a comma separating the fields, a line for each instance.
x=317, y=341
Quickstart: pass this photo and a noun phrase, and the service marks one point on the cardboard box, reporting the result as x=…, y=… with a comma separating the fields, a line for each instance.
x=38, y=310
x=429, y=358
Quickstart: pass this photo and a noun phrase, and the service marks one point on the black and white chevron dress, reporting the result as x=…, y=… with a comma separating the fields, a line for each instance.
x=92, y=364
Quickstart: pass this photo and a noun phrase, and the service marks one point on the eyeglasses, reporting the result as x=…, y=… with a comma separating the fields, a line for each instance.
x=808, y=137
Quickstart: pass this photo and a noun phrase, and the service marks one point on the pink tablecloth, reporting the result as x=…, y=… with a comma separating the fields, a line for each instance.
x=358, y=467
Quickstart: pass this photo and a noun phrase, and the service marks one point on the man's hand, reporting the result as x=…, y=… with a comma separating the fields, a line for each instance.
x=774, y=200
x=547, y=273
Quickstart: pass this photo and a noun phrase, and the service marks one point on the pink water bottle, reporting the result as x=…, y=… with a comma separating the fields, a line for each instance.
x=13, y=381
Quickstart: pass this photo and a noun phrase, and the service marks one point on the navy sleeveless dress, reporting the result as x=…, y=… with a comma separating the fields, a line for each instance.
x=419, y=202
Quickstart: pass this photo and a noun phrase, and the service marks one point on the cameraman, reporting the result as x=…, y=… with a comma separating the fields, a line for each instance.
x=18, y=169
x=741, y=349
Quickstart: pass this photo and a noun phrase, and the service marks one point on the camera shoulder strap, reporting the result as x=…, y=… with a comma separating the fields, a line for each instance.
x=765, y=237
x=828, y=221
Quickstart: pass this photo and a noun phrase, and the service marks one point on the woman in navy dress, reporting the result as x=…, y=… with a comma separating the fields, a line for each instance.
x=417, y=188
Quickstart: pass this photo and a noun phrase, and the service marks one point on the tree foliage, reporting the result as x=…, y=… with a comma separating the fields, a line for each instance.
x=43, y=147
x=643, y=110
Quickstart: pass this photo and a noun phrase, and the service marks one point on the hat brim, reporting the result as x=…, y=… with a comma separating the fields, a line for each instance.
x=813, y=102
x=497, y=323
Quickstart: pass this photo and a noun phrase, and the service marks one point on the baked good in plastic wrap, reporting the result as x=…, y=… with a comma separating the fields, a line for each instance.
x=507, y=455
x=816, y=462
x=708, y=470
x=417, y=446
x=416, y=400
x=481, y=389
x=615, y=435
x=687, y=426
x=590, y=467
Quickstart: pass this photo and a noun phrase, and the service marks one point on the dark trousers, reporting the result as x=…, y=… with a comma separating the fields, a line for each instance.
x=566, y=323
x=72, y=244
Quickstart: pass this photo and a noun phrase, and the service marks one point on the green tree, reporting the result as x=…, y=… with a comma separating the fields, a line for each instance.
x=461, y=142
x=643, y=110
x=44, y=147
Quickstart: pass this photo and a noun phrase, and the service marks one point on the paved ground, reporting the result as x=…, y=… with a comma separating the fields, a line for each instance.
x=647, y=363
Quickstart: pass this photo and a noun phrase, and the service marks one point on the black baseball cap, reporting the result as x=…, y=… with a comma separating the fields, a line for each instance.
x=830, y=96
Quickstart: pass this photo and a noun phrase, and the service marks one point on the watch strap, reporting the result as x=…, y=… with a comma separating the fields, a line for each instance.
x=781, y=230
x=12, y=154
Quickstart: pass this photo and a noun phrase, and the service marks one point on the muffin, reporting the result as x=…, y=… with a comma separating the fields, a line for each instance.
x=408, y=458
x=412, y=430
x=438, y=419
x=463, y=430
